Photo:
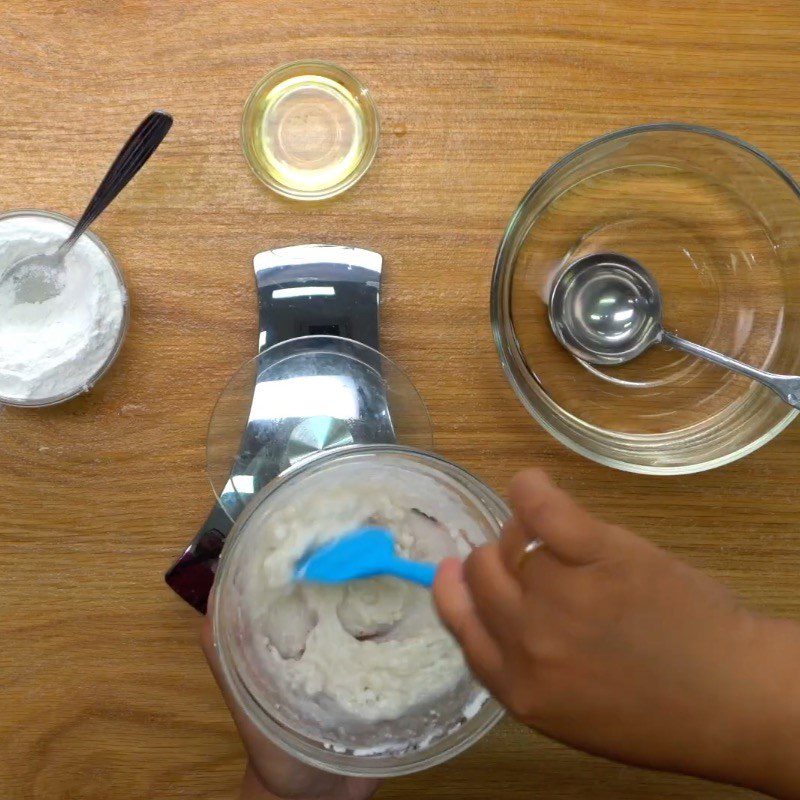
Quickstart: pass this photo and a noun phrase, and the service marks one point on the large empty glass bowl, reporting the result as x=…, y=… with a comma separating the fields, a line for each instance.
x=718, y=224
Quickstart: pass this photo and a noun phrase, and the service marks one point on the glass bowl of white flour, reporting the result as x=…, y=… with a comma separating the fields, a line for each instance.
x=362, y=678
x=56, y=348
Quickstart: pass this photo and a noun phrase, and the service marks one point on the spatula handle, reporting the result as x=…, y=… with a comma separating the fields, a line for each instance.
x=414, y=571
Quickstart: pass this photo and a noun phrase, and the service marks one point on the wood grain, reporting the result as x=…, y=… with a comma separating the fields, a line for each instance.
x=104, y=691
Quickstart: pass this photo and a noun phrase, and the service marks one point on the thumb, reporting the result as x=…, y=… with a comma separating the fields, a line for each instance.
x=549, y=514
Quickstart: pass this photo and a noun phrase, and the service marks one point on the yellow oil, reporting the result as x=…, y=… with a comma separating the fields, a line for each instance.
x=308, y=133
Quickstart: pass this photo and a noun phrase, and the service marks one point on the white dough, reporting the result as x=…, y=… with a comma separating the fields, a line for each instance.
x=375, y=648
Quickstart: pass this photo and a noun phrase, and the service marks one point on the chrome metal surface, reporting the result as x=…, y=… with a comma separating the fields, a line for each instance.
x=318, y=290
x=311, y=291
x=606, y=309
x=314, y=434
x=311, y=393
x=38, y=277
x=323, y=292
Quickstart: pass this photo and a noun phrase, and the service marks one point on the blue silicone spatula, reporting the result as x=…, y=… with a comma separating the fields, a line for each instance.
x=365, y=553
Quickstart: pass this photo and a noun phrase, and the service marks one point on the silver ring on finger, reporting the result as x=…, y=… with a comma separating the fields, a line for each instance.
x=527, y=552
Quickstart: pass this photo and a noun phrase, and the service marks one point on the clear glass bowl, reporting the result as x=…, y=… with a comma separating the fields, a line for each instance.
x=423, y=736
x=718, y=224
x=310, y=130
x=63, y=397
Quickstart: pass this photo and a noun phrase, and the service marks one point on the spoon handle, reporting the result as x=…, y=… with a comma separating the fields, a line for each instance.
x=787, y=387
x=142, y=144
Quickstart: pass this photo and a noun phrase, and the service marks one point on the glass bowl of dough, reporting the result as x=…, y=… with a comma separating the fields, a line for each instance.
x=357, y=679
x=717, y=223
x=315, y=437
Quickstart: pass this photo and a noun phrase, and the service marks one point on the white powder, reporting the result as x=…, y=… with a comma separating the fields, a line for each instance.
x=56, y=347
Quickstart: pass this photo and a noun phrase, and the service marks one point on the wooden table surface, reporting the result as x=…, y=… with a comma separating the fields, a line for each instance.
x=104, y=691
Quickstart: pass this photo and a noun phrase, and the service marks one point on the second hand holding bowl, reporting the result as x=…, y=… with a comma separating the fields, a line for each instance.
x=606, y=309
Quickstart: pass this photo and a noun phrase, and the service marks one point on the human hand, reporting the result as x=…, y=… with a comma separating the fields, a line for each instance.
x=272, y=774
x=605, y=642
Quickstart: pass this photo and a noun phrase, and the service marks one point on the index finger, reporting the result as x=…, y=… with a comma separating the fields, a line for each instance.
x=457, y=611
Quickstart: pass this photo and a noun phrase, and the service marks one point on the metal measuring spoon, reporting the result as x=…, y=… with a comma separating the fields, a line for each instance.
x=39, y=277
x=606, y=308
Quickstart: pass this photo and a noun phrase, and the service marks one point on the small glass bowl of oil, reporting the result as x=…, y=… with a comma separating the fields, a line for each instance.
x=310, y=130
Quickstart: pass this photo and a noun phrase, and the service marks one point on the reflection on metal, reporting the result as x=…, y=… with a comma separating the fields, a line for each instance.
x=314, y=289
x=304, y=396
x=329, y=396
x=314, y=255
x=311, y=393
x=303, y=291
x=315, y=434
